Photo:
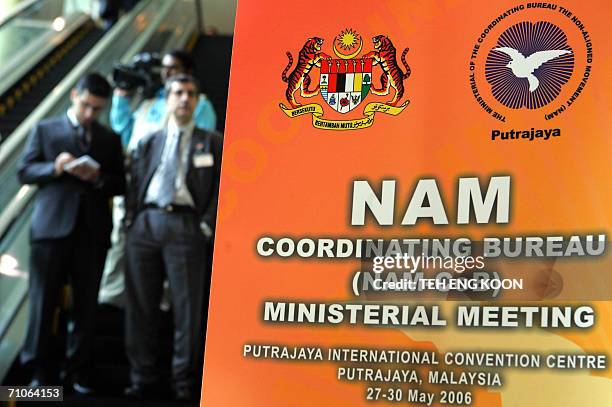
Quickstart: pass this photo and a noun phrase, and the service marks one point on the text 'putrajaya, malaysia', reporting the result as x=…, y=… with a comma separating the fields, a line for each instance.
x=421, y=376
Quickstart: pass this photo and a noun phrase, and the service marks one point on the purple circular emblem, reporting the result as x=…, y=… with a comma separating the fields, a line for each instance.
x=529, y=65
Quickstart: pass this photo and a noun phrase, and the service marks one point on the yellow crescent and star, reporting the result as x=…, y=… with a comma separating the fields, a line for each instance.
x=347, y=40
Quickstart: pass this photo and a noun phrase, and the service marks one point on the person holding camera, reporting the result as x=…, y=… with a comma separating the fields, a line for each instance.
x=151, y=114
x=132, y=126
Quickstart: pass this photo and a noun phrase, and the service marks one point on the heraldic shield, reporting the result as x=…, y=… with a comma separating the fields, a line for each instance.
x=345, y=83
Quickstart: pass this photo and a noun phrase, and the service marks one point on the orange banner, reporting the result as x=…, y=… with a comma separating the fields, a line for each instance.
x=451, y=248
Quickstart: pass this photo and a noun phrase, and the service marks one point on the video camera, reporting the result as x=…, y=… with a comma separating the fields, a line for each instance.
x=143, y=72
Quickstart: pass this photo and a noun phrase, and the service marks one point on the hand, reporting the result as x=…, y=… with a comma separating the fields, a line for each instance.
x=85, y=173
x=123, y=92
x=206, y=230
x=61, y=160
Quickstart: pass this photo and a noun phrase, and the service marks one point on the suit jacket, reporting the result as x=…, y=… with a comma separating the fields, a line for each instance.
x=202, y=181
x=59, y=199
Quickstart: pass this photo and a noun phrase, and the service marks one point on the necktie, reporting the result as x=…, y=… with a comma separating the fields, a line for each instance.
x=170, y=165
x=83, y=138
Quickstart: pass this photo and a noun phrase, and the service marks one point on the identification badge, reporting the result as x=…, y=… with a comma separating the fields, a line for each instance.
x=203, y=160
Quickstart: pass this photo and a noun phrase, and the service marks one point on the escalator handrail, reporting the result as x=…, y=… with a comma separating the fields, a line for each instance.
x=16, y=11
x=15, y=208
x=147, y=33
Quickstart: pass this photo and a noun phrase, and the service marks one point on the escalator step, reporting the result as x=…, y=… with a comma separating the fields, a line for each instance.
x=37, y=93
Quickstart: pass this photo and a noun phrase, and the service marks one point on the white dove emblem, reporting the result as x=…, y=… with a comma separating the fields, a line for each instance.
x=523, y=67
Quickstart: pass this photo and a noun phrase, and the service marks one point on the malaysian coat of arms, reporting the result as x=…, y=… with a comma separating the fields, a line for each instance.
x=346, y=81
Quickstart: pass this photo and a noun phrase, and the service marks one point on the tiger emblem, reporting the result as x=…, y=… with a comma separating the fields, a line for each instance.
x=309, y=56
x=384, y=55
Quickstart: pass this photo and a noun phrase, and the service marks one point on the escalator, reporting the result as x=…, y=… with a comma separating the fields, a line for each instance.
x=157, y=25
x=23, y=97
x=39, y=44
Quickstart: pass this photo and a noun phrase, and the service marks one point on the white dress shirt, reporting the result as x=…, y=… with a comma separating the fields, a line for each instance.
x=181, y=195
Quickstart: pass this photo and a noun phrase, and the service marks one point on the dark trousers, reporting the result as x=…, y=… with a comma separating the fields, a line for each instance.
x=79, y=260
x=171, y=245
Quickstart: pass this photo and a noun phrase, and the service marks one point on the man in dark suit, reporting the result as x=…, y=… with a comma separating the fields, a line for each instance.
x=171, y=211
x=71, y=225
